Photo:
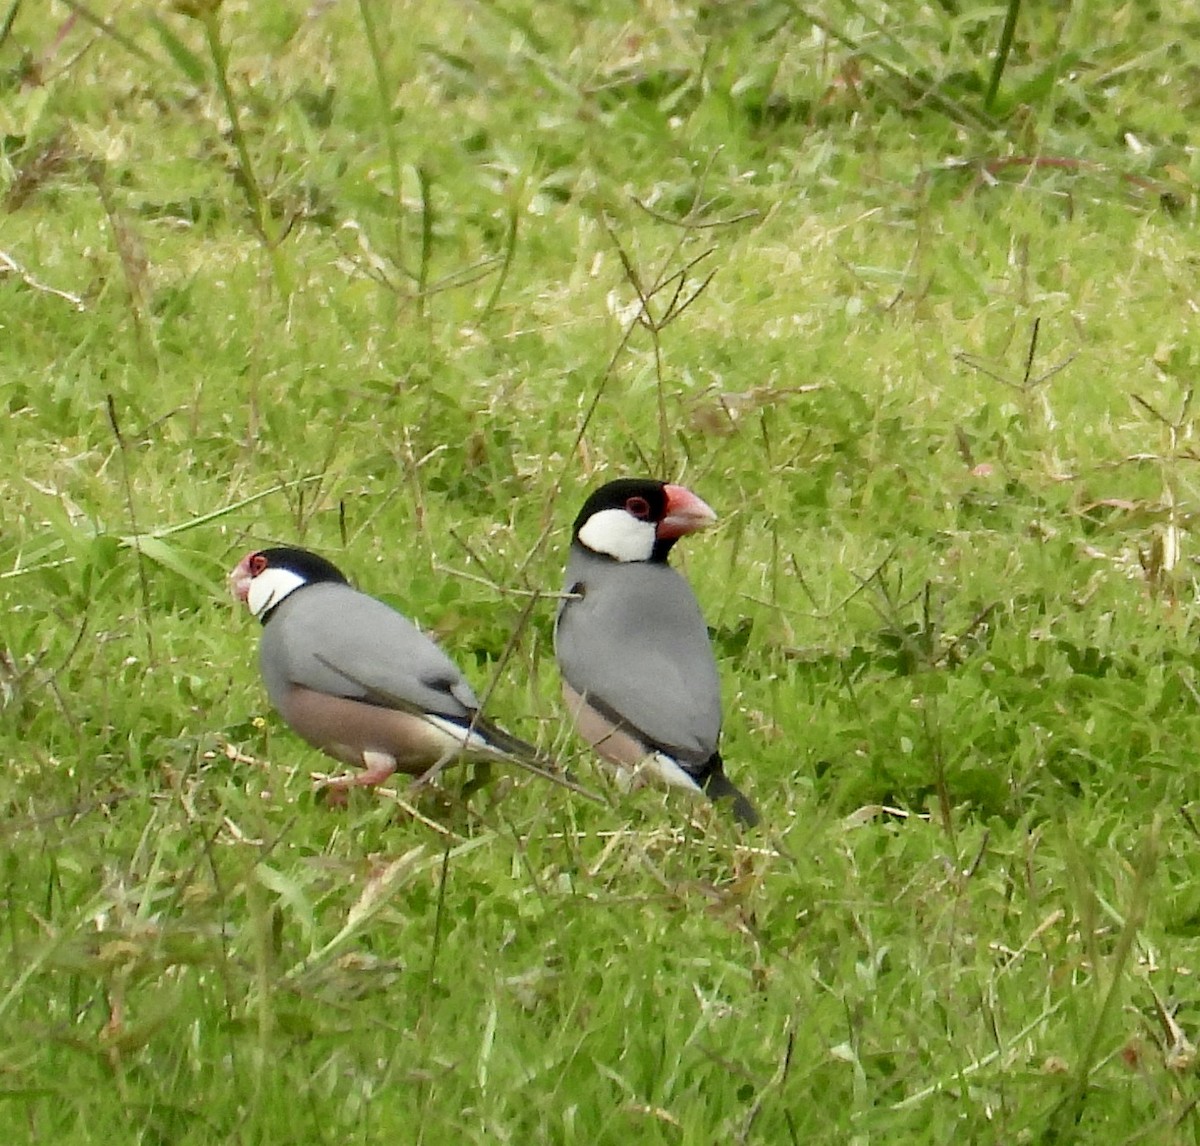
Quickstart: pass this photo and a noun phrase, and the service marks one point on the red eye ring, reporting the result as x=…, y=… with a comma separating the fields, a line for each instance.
x=639, y=507
x=257, y=564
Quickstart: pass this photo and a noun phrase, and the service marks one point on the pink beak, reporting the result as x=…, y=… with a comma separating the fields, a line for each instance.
x=685, y=513
x=239, y=580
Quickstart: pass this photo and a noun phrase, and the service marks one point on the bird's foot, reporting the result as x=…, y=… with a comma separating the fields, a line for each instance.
x=378, y=767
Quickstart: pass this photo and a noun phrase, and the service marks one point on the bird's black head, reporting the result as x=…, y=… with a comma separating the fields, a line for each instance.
x=264, y=578
x=639, y=519
x=303, y=562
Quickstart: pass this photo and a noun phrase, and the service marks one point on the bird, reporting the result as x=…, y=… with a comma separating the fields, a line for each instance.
x=358, y=680
x=639, y=678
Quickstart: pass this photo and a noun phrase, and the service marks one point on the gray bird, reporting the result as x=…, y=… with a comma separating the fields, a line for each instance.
x=639, y=677
x=358, y=680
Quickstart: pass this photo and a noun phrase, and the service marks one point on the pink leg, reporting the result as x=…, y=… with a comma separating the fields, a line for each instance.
x=378, y=767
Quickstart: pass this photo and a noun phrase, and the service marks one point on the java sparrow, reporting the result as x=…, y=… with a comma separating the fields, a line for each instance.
x=639, y=676
x=358, y=680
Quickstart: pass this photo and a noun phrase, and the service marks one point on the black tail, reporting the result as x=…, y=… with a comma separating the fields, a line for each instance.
x=527, y=756
x=717, y=786
x=506, y=741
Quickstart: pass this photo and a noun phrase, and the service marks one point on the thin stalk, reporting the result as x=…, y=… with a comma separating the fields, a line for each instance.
x=510, y=249
x=438, y=920
x=1002, y=51
x=88, y=16
x=133, y=525
x=259, y=910
x=383, y=89
x=10, y=18
x=426, y=184
x=1065, y=1120
x=260, y=214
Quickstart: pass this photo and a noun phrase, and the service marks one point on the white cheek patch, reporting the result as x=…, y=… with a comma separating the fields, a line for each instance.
x=270, y=587
x=619, y=535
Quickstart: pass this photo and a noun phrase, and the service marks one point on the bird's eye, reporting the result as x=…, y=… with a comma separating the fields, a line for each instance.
x=639, y=507
x=258, y=563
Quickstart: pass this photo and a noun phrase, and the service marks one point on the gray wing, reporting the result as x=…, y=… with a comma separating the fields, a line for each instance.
x=637, y=647
x=336, y=640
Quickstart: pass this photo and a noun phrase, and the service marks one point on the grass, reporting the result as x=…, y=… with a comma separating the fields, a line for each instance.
x=905, y=291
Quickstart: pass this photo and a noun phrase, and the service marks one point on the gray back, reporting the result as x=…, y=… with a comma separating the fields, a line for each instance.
x=369, y=641
x=637, y=648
